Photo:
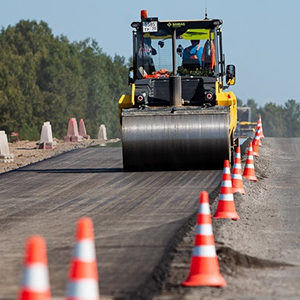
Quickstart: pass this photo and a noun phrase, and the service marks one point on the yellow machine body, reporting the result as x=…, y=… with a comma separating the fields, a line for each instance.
x=181, y=118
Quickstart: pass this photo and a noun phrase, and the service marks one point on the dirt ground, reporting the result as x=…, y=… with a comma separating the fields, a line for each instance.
x=258, y=254
x=25, y=152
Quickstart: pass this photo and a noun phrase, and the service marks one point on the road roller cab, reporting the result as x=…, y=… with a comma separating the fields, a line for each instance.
x=177, y=99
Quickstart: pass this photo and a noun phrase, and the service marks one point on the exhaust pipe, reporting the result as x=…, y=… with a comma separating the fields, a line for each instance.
x=175, y=81
x=175, y=90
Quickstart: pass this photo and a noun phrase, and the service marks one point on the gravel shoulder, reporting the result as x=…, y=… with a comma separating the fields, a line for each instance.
x=259, y=254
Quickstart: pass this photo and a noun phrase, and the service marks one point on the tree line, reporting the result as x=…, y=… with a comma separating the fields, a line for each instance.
x=278, y=120
x=48, y=78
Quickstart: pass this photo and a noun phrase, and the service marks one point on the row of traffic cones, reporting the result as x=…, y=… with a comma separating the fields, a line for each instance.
x=234, y=183
x=83, y=275
x=204, y=269
x=249, y=172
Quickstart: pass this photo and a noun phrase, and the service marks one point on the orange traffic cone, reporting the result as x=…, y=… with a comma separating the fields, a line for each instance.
x=255, y=143
x=236, y=176
x=249, y=172
x=226, y=207
x=83, y=275
x=204, y=270
x=259, y=123
x=259, y=134
x=35, y=277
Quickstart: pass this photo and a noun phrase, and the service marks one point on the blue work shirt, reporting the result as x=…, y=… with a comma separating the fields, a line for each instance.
x=192, y=50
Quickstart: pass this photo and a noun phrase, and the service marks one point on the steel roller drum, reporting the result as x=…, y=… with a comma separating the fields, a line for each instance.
x=175, y=138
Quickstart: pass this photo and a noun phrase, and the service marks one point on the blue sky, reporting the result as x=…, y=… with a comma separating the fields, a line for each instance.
x=261, y=37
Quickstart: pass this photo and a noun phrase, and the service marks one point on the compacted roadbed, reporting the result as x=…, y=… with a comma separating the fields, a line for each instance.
x=137, y=217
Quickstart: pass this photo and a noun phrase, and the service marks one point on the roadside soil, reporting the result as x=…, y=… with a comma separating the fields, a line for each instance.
x=26, y=152
x=258, y=254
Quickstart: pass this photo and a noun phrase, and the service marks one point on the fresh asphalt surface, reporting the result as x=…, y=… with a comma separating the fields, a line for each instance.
x=136, y=217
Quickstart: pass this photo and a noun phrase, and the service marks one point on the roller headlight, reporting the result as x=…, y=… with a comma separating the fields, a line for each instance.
x=209, y=96
x=141, y=98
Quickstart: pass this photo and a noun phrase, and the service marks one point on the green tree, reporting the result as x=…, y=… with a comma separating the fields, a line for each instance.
x=106, y=81
x=255, y=111
x=292, y=118
x=239, y=102
x=273, y=120
x=47, y=78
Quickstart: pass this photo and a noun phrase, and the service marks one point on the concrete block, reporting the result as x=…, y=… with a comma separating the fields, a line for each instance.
x=5, y=155
x=46, y=133
x=82, y=130
x=73, y=134
x=102, y=133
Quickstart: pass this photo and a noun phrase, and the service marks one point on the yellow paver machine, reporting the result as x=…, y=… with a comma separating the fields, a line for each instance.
x=178, y=116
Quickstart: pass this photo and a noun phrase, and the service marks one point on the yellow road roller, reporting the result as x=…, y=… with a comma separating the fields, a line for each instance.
x=179, y=115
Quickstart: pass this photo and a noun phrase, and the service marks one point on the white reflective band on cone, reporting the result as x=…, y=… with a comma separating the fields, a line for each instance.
x=205, y=251
x=236, y=176
x=204, y=229
x=226, y=197
x=85, y=251
x=226, y=183
x=250, y=157
x=237, y=166
x=226, y=170
x=86, y=289
x=249, y=166
x=238, y=155
x=36, y=278
x=204, y=209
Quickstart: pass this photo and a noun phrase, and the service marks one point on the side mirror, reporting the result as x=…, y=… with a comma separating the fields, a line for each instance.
x=130, y=76
x=230, y=74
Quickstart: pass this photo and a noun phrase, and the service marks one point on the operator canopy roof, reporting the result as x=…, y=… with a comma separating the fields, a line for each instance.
x=188, y=30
